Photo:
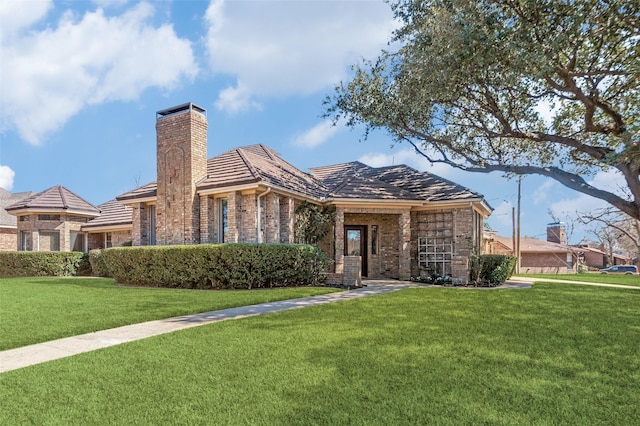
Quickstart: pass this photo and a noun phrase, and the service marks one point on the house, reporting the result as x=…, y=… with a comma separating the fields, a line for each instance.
x=398, y=222
x=8, y=222
x=597, y=258
x=552, y=256
x=52, y=220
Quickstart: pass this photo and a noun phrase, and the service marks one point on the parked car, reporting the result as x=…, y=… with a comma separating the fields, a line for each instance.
x=621, y=269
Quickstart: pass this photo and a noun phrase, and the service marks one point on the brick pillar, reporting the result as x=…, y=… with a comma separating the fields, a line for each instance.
x=339, y=240
x=140, y=231
x=249, y=219
x=460, y=270
x=352, y=271
x=271, y=218
x=206, y=211
x=233, y=207
x=404, y=225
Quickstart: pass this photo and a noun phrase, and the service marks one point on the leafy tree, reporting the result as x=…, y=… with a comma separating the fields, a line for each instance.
x=312, y=223
x=548, y=87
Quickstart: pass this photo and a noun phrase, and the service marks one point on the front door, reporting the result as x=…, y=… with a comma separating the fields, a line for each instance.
x=355, y=244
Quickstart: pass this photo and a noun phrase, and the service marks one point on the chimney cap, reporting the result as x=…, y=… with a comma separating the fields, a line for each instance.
x=189, y=106
x=554, y=224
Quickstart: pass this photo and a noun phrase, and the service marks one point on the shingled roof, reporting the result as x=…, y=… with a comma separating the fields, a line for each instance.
x=534, y=245
x=407, y=183
x=246, y=165
x=259, y=163
x=112, y=213
x=55, y=199
x=6, y=199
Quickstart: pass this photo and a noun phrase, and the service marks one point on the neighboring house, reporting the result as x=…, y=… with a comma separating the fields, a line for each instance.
x=8, y=222
x=553, y=256
x=399, y=221
x=597, y=258
x=51, y=220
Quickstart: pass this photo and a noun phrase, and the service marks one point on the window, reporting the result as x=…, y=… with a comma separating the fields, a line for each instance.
x=49, y=241
x=48, y=217
x=24, y=243
x=107, y=240
x=77, y=242
x=24, y=218
x=152, y=225
x=223, y=220
x=80, y=219
x=374, y=239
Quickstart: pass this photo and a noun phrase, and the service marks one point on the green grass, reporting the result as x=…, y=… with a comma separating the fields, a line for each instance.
x=34, y=310
x=592, y=278
x=548, y=355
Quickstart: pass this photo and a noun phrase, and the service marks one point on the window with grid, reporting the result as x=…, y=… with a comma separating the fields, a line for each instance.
x=436, y=245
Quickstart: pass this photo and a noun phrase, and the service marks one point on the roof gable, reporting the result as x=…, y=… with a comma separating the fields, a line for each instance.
x=56, y=198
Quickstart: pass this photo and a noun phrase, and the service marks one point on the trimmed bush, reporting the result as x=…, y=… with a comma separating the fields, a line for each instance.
x=43, y=264
x=98, y=265
x=492, y=269
x=217, y=266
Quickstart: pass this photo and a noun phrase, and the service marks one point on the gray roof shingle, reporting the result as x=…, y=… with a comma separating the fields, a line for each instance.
x=56, y=198
x=111, y=213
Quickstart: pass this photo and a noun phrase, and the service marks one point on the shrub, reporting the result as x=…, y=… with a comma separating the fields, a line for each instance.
x=42, y=264
x=98, y=265
x=492, y=269
x=217, y=266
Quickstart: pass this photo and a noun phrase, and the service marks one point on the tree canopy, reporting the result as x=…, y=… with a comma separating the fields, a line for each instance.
x=548, y=87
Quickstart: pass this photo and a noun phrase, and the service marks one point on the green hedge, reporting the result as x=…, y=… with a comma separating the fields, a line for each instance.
x=492, y=269
x=98, y=265
x=217, y=266
x=43, y=263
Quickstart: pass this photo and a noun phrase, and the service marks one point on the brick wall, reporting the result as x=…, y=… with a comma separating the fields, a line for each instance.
x=118, y=238
x=543, y=263
x=8, y=239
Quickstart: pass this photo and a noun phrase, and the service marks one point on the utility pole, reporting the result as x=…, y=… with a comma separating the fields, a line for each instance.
x=519, y=229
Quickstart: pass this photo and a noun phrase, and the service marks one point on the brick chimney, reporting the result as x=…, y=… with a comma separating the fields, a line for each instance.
x=557, y=233
x=181, y=134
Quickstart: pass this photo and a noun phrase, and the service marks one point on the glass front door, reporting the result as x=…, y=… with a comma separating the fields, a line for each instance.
x=355, y=244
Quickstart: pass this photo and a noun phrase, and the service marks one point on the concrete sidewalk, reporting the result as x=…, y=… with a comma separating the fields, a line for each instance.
x=550, y=280
x=25, y=356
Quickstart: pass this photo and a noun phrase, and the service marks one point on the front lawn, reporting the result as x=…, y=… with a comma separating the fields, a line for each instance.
x=547, y=355
x=34, y=310
x=591, y=278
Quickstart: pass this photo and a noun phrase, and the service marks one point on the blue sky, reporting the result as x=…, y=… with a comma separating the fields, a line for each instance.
x=80, y=82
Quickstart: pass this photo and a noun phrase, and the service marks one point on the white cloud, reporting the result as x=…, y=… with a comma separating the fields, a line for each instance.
x=6, y=177
x=279, y=48
x=236, y=99
x=16, y=15
x=49, y=75
x=318, y=134
x=541, y=193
